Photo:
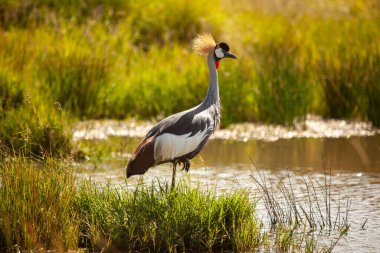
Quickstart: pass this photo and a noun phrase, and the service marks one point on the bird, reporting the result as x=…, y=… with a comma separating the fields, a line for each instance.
x=178, y=138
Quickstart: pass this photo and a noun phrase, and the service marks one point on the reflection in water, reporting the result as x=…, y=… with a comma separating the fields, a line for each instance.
x=226, y=165
x=340, y=154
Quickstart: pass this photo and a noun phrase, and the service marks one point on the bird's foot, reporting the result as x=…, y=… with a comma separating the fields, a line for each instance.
x=186, y=164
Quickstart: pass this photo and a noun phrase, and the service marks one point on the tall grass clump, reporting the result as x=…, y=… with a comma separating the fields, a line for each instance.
x=283, y=91
x=154, y=86
x=345, y=65
x=141, y=16
x=36, y=205
x=27, y=125
x=36, y=130
x=30, y=14
x=10, y=92
x=301, y=212
x=44, y=207
x=237, y=92
x=75, y=78
x=275, y=68
x=373, y=89
x=158, y=219
x=191, y=17
x=349, y=84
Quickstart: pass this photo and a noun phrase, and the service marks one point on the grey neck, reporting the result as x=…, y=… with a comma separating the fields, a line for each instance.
x=212, y=97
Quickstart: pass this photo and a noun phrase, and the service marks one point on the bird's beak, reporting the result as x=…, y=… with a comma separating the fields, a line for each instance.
x=229, y=55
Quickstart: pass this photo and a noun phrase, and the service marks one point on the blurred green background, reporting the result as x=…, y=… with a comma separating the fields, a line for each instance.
x=64, y=60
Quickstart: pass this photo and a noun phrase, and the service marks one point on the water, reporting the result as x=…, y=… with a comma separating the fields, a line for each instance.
x=352, y=159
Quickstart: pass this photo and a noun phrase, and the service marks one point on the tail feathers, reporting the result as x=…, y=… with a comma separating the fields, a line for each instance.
x=142, y=159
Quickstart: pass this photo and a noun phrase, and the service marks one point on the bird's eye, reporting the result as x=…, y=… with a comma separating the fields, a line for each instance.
x=219, y=53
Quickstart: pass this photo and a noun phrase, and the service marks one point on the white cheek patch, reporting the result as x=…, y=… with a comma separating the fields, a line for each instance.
x=219, y=53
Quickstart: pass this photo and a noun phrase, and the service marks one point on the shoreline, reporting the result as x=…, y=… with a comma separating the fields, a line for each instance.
x=312, y=127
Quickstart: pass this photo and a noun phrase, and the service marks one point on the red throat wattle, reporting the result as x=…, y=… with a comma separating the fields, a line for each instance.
x=217, y=64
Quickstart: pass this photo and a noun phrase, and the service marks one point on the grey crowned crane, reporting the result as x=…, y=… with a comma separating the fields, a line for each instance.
x=181, y=136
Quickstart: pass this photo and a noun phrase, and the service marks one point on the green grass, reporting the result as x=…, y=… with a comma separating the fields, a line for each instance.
x=29, y=126
x=158, y=219
x=62, y=61
x=69, y=70
x=36, y=202
x=282, y=92
x=44, y=207
x=120, y=59
x=350, y=84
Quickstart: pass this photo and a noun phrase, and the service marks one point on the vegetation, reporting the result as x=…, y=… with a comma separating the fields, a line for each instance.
x=44, y=207
x=63, y=61
x=118, y=59
x=29, y=126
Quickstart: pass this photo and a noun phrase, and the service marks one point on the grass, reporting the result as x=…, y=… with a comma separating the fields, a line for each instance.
x=164, y=220
x=66, y=71
x=314, y=208
x=44, y=207
x=63, y=61
x=296, y=220
x=349, y=84
x=119, y=59
x=29, y=126
x=35, y=208
x=282, y=92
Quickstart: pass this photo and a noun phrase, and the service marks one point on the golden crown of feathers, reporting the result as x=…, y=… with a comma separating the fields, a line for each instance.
x=203, y=44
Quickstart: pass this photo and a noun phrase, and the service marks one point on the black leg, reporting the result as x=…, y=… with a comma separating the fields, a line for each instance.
x=174, y=174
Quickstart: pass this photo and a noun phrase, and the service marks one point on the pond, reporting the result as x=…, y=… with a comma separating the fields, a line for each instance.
x=348, y=153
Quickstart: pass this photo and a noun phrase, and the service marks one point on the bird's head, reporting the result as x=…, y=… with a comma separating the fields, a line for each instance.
x=204, y=44
x=222, y=51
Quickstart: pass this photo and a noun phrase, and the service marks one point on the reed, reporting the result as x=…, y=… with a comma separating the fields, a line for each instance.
x=296, y=220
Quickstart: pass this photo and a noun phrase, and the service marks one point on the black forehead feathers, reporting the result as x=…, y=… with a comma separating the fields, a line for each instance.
x=224, y=46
